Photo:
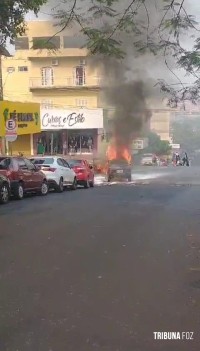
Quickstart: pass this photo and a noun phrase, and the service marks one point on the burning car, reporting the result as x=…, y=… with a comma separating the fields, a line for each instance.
x=119, y=163
x=119, y=169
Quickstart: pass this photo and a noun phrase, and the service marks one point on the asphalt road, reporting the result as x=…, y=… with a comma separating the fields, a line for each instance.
x=103, y=268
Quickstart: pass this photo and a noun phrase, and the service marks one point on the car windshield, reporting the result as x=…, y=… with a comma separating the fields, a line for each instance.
x=74, y=163
x=42, y=161
x=4, y=163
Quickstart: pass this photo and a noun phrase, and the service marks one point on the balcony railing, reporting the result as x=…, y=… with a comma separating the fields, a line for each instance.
x=65, y=82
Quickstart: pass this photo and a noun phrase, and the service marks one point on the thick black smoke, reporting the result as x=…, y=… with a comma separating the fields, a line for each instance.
x=125, y=90
x=125, y=84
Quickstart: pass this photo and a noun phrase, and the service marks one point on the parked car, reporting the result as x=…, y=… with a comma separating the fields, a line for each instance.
x=4, y=190
x=148, y=160
x=24, y=177
x=57, y=172
x=84, y=172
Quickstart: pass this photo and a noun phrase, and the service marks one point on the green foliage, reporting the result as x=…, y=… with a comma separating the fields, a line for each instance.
x=98, y=43
x=136, y=18
x=156, y=145
x=12, y=14
x=150, y=29
x=39, y=44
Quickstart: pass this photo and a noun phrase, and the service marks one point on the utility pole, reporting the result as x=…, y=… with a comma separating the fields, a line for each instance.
x=1, y=79
x=3, y=143
x=3, y=52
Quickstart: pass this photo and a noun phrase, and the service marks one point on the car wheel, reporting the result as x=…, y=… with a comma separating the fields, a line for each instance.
x=60, y=187
x=44, y=188
x=74, y=185
x=87, y=184
x=4, y=194
x=92, y=183
x=19, y=191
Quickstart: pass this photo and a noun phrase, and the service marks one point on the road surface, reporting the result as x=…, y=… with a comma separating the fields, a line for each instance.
x=103, y=268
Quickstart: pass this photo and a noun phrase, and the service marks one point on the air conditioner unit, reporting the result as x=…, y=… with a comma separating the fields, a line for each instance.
x=82, y=62
x=54, y=62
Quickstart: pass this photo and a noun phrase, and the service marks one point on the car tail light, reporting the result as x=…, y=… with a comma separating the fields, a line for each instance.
x=80, y=170
x=49, y=169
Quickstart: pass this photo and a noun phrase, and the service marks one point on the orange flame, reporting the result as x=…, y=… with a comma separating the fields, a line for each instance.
x=114, y=153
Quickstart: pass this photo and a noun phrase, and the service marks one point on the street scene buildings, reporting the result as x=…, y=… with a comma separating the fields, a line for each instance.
x=67, y=88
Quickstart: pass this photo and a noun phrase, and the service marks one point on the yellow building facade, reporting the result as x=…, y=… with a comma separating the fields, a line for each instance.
x=27, y=120
x=160, y=123
x=57, y=79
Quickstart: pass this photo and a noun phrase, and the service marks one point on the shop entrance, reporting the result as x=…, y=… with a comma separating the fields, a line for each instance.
x=50, y=143
x=63, y=142
x=81, y=141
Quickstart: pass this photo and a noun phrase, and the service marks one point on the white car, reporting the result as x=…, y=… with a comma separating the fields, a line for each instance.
x=147, y=160
x=57, y=171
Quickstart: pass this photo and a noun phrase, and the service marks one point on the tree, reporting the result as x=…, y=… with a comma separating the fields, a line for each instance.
x=157, y=27
x=156, y=145
x=12, y=18
x=153, y=26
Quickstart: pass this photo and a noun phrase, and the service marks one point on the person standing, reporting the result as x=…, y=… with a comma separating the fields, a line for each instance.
x=64, y=148
x=185, y=159
x=40, y=148
x=177, y=157
x=90, y=144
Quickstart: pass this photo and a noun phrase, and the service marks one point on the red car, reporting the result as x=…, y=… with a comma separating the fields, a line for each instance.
x=84, y=172
x=23, y=175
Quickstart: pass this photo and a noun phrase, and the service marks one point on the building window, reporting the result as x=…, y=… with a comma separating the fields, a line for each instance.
x=79, y=75
x=11, y=69
x=74, y=42
x=21, y=43
x=81, y=102
x=48, y=104
x=46, y=43
x=23, y=69
x=47, y=76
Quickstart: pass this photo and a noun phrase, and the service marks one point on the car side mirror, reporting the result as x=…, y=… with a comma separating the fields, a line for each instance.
x=37, y=168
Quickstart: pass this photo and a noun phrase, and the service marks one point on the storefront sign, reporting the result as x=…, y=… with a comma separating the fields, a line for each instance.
x=11, y=130
x=26, y=116
x=71, y=119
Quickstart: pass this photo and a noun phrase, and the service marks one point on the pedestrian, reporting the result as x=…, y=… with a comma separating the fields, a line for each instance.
x=90, y=144
x=185, y=159
x=40, y=148
x=177, y=158
x=64, y=148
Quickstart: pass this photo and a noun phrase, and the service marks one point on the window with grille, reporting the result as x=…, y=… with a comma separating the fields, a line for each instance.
x=81, y=102
x=47, y=76
x=79, y=75
x=23, y=69
x=48, y=104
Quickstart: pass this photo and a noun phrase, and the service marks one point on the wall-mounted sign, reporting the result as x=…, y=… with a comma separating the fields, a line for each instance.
x=175, y=146
x=11, y=130
x=55, y=119
x=25, y=115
